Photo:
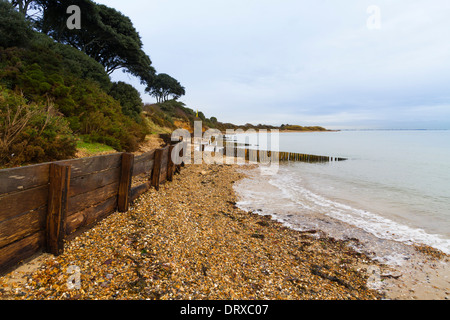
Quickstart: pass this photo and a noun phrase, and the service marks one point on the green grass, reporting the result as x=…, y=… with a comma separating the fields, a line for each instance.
x=93, y=148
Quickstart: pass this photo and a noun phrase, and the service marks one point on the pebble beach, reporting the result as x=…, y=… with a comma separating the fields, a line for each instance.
x=189, y=240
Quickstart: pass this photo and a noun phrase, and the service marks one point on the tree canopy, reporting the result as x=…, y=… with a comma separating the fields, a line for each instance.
x=23, y=5
x=106, y=35
x=14, y=29
x=165, y=86
x=49, y=63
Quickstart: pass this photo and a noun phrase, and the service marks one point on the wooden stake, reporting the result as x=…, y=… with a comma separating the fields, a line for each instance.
x=170, y=164
x=156, y=173
x=126, y=174
x=57, y=208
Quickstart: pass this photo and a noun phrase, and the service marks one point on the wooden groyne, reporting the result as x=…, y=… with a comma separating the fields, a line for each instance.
x=43, y=205
x=253, y=153
x=264, y=156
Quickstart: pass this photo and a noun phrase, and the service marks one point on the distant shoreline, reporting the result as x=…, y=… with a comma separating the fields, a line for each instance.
x=292, y=131
x=306, y=131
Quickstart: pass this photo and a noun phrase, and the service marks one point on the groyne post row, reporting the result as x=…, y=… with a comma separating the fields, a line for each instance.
x=263, y=156
x=44, y=205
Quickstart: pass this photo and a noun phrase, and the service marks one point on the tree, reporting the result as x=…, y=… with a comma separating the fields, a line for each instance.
x=23, y=5
x=106, y=35
x=129, y=99
x=14, y=29
x=163, y=86
x=122, y=46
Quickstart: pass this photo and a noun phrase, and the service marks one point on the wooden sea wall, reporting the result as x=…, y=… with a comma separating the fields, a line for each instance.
x=43, y=205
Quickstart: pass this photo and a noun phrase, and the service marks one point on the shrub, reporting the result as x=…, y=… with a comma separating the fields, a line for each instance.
x=88, y=109
x=32, y=133
x=129, y=99
x=14, y=28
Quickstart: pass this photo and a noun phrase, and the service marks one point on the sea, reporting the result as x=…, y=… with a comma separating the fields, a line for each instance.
x=393, y=190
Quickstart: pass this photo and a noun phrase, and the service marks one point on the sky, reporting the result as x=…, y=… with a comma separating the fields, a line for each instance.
x=350, y=64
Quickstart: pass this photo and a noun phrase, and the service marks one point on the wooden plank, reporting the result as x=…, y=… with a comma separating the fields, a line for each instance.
x=20, y=179
x=21, y=202
x=126, y=174
x=89, y=199
x=91, y=215
x=23, y=178
x=16, y=252
x=22, y=226
x=165, y=157
x=240, y=153
x=57, y=208
x=164, y=163
x=137, y=191
x=143, y=167
x=86, y=183
x=163, y=176
x=86, y=166
x=253, y=155
x=170, y=164
x=148, y=156
x=156, y=173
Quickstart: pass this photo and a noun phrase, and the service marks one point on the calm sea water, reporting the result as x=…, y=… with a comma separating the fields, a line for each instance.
x=395, y=187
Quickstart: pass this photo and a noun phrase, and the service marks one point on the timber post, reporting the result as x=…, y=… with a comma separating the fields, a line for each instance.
x=59, y=178
x=156, y=174
x=126, y=173
x=170, y=164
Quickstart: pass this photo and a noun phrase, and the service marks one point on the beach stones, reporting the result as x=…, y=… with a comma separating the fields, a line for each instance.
x=189, y=240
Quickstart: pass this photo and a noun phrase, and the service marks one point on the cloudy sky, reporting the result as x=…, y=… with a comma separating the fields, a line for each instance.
x=339, y=64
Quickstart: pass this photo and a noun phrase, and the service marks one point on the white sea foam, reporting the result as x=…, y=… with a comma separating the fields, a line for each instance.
x=386, y=192
x=377, y=225
x=287, y=200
